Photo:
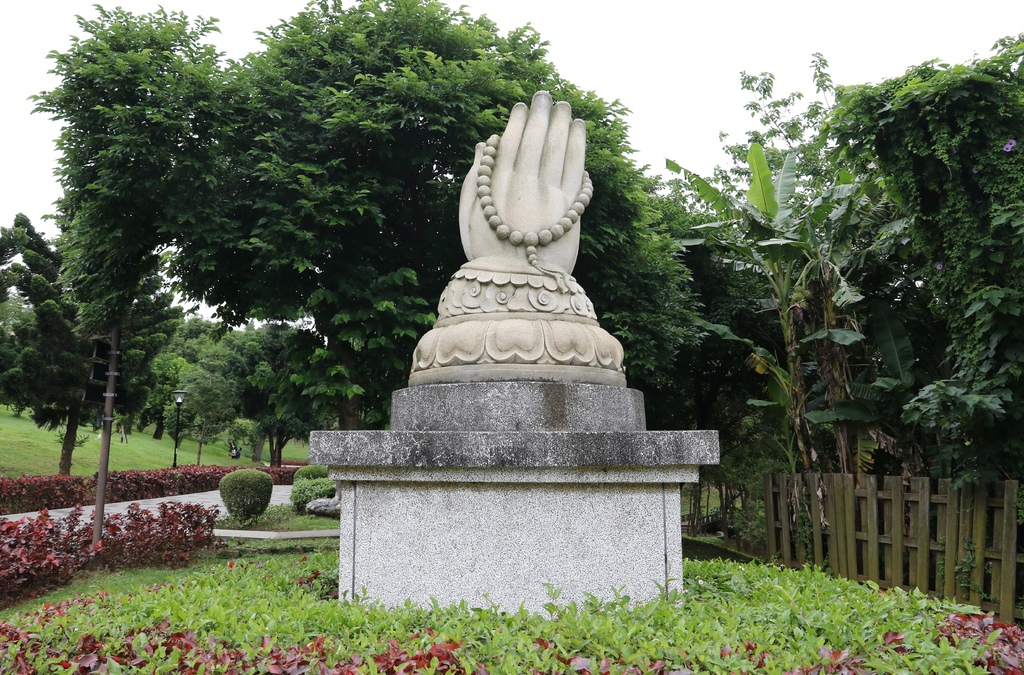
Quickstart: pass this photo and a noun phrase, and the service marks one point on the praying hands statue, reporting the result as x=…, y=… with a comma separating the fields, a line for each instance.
x=523, y=197
x=514, y=312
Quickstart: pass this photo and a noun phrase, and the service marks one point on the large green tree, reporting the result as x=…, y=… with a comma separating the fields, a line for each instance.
x=317, y=181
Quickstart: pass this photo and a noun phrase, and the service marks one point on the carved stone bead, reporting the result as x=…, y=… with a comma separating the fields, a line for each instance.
x=545, y=237
x=503, y=232
x=530, y=239
x=516, y=237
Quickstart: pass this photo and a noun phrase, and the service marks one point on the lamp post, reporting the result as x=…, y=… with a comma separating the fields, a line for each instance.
x=179, y=398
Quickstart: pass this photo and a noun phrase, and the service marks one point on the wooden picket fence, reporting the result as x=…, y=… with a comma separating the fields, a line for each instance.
x=918, y=533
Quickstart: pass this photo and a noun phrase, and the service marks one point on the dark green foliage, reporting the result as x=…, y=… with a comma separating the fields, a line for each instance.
x=310, y=472
x=949, y=141
x=246, y=493
x=305, y=491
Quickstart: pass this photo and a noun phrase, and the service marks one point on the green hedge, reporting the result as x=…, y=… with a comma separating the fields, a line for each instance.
x=305, y=491
x=246, y=493
x=311, y=472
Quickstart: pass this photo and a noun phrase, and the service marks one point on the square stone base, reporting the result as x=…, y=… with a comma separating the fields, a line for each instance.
x=507, y=542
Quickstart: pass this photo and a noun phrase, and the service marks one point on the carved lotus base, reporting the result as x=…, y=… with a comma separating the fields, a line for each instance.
x=478, y=349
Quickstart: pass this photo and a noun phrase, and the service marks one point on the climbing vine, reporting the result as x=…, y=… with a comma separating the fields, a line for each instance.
x=949, y=142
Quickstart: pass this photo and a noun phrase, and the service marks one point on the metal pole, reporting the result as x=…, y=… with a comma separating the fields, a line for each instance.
x=108, y=418
x=177, y=434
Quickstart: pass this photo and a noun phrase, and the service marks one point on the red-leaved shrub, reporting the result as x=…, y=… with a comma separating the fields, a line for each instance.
x=37, y=554
x=140, y=537
x=40, y=553
x=35, y=493
x=1004, y=654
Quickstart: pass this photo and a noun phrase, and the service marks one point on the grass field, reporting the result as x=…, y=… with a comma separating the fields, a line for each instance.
x=27, y=449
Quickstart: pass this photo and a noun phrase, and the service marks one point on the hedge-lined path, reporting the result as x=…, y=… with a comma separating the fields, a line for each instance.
x=282, y=495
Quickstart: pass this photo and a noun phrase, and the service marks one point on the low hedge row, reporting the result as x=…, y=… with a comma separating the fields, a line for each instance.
x=37, y=554
x=35, y=493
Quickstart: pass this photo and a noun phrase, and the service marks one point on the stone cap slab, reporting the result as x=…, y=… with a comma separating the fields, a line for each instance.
x=513, y=449
x=592, y=475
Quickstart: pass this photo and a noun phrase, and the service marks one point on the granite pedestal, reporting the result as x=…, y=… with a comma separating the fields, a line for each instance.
x=497, y=492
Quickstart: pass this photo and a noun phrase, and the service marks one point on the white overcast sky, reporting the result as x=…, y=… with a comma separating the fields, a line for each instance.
x=674, y=64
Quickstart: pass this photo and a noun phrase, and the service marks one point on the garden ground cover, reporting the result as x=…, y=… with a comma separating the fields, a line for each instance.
x=252, y=614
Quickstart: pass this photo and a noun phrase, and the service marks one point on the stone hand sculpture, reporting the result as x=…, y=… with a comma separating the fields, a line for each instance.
x=514, y=312
x=522, y=199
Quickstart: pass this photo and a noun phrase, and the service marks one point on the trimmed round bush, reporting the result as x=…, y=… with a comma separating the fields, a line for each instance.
x=305, y=491
x=310, y=472
x=246, y=493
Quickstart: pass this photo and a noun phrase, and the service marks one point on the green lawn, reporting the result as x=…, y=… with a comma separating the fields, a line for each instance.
x=27, y=449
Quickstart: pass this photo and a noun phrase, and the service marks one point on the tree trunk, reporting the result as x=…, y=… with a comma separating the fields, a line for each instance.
x=70, y=437
x=350, y=414
x=277, y=448
x=257, y=451
x=158, y=432
x=202, y=437
x=350, y=408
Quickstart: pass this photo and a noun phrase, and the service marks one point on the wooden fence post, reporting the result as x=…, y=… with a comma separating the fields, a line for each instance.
x=815, y=510
x=979, y=535
x=836, y=547
x=869, y=518
x=922, y=532
x=850, y=525
x=951, y=533
x=897, y=521
x=1008, y=546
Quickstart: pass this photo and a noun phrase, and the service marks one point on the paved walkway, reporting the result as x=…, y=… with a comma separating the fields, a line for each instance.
x=281, y=495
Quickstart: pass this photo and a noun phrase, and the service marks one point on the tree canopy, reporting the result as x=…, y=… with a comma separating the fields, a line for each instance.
x=316, y=181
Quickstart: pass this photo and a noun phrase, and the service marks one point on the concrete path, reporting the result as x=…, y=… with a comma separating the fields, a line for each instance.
x=281, y=495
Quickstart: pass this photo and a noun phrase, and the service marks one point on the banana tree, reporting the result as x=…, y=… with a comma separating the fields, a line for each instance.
x=802, y=247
